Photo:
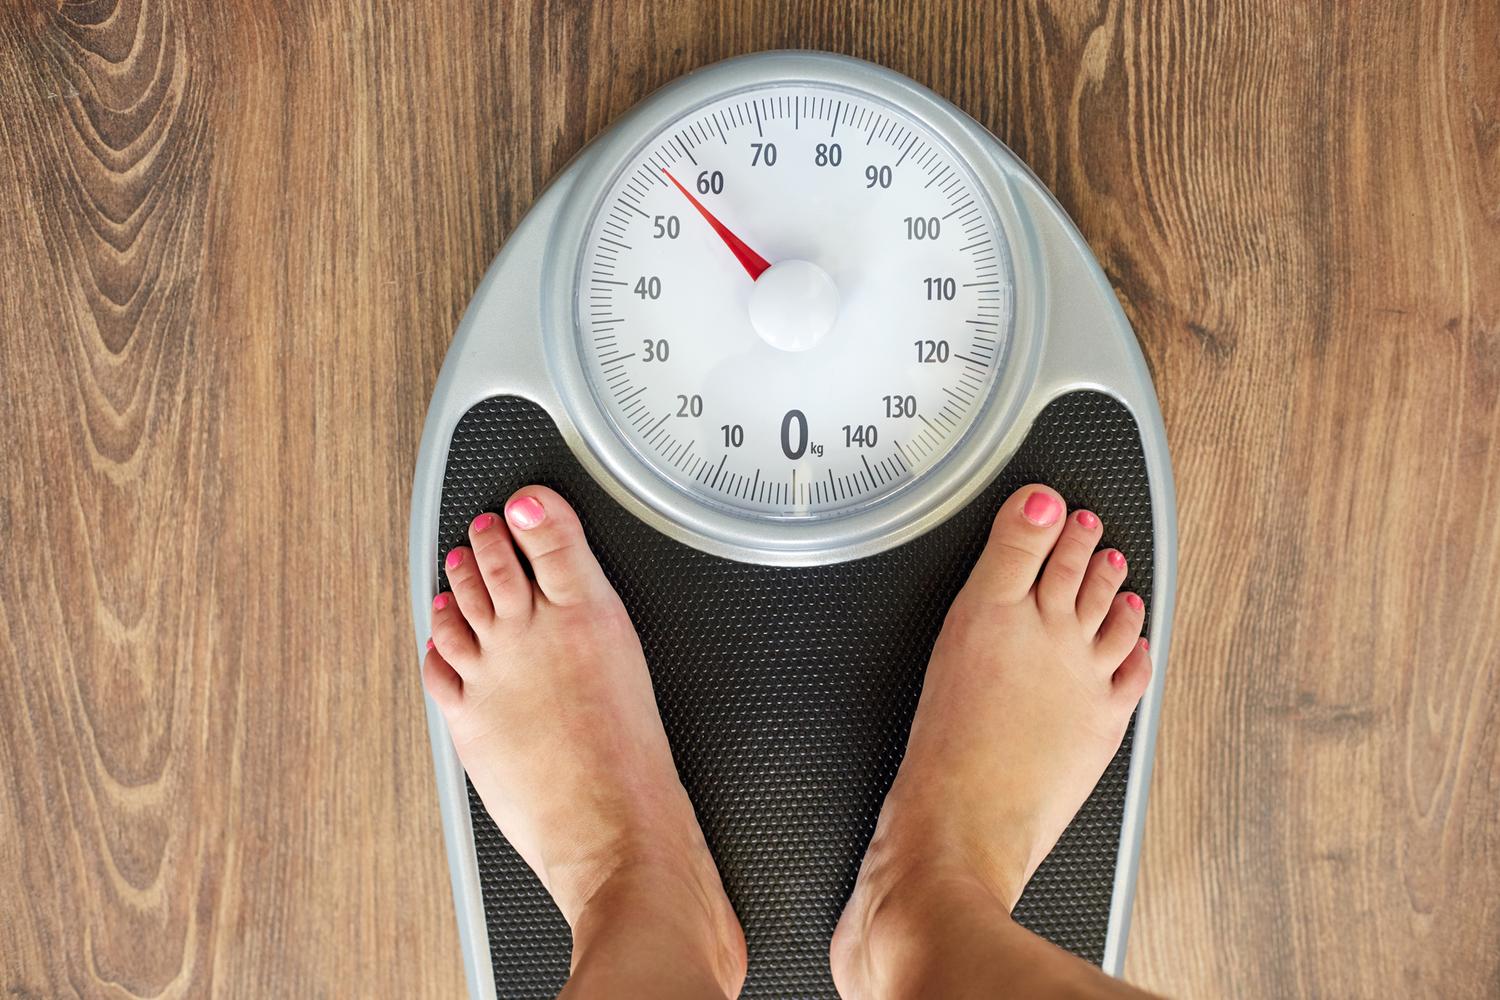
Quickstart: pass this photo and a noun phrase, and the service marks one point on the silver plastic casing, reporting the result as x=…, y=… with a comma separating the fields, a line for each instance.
x=517, y=338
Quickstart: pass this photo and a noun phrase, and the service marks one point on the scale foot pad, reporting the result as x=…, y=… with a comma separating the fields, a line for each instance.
x=787, y=692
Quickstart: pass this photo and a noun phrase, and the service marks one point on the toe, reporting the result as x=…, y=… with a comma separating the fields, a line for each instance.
x=469, y=589
x=549, y=535
x=440, y=680
x=1121, y=628
x=450, y=633
x=1057, y=590
x=1023, y=534
x=510, y=591
x=1100, y=584
x=1132, y=676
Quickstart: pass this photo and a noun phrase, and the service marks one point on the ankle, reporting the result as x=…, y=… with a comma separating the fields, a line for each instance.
x=655, y=922
x=902, y=923
x=932, y=848
x=920, y=874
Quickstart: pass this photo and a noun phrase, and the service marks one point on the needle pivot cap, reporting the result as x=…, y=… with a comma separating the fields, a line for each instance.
x=793, y=304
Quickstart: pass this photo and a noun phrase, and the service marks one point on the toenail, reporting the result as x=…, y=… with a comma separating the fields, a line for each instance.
x=1088, y=520
x=1041, y=509
x=454, y=558
x=524, y=512
x=1116, y=558
x=440, y=602
x=1135, y=602
x=483, y=521
x=1145, y=646
x=429, y=643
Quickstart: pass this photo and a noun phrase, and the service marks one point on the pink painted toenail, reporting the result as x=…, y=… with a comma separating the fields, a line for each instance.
x=1145, y=646
x=429, y=643
x=1088, y=520
x=1041, y=509
x=524, y=512
x=482, y=522
x=454, y=558
x=440, y=602
x=1116, y=558
x=1135, y=602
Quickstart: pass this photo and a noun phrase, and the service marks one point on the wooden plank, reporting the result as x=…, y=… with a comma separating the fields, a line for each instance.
x=235, y=243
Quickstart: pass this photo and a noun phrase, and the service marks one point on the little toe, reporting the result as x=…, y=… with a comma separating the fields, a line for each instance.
x=441, y=681
x=1101, y=582
x=1132, y=676
x=1024, y=532
x=1122, y=627
x=548, y=533
x=1057, y=590
x=510, y=590
x=451, y=633
x=469, y=589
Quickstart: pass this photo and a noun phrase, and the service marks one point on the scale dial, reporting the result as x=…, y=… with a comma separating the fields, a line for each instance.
x=793, y=301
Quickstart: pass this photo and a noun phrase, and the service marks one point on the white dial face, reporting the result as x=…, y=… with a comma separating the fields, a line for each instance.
x=794, y=301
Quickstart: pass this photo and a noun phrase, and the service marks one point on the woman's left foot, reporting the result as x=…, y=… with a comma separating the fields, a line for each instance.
x=1032, y=682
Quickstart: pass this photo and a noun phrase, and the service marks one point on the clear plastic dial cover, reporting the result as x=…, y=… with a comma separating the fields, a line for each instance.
x=793, y=301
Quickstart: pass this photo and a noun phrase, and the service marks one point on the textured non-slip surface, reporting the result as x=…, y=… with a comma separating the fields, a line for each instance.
x=787, y=692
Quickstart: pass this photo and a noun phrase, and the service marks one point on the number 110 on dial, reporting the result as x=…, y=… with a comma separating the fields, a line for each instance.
x=793, y=301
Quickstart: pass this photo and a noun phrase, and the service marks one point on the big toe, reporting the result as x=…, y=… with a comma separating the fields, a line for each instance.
x=1024, y=533
x=548, y=533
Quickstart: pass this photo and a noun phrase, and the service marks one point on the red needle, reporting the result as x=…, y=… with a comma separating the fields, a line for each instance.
x=754, y=262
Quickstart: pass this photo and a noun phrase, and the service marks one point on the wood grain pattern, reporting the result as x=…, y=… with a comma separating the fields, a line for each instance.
x=236, y=239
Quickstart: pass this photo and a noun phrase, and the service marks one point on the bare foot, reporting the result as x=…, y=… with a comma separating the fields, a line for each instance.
x=1026, y=699
x=549, y=702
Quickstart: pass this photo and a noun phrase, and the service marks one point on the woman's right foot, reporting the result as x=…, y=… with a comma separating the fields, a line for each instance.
x=1030, y=687
x=540, y=677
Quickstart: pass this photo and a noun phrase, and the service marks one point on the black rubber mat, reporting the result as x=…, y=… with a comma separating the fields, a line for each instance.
x=787, y=692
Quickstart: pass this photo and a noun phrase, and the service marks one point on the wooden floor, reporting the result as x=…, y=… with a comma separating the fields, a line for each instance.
x=235, y=240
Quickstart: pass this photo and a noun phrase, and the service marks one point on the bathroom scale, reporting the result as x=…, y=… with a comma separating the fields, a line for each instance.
x=785, y=336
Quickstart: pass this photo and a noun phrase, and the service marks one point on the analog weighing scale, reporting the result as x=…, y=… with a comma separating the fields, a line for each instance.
x=785, y=336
